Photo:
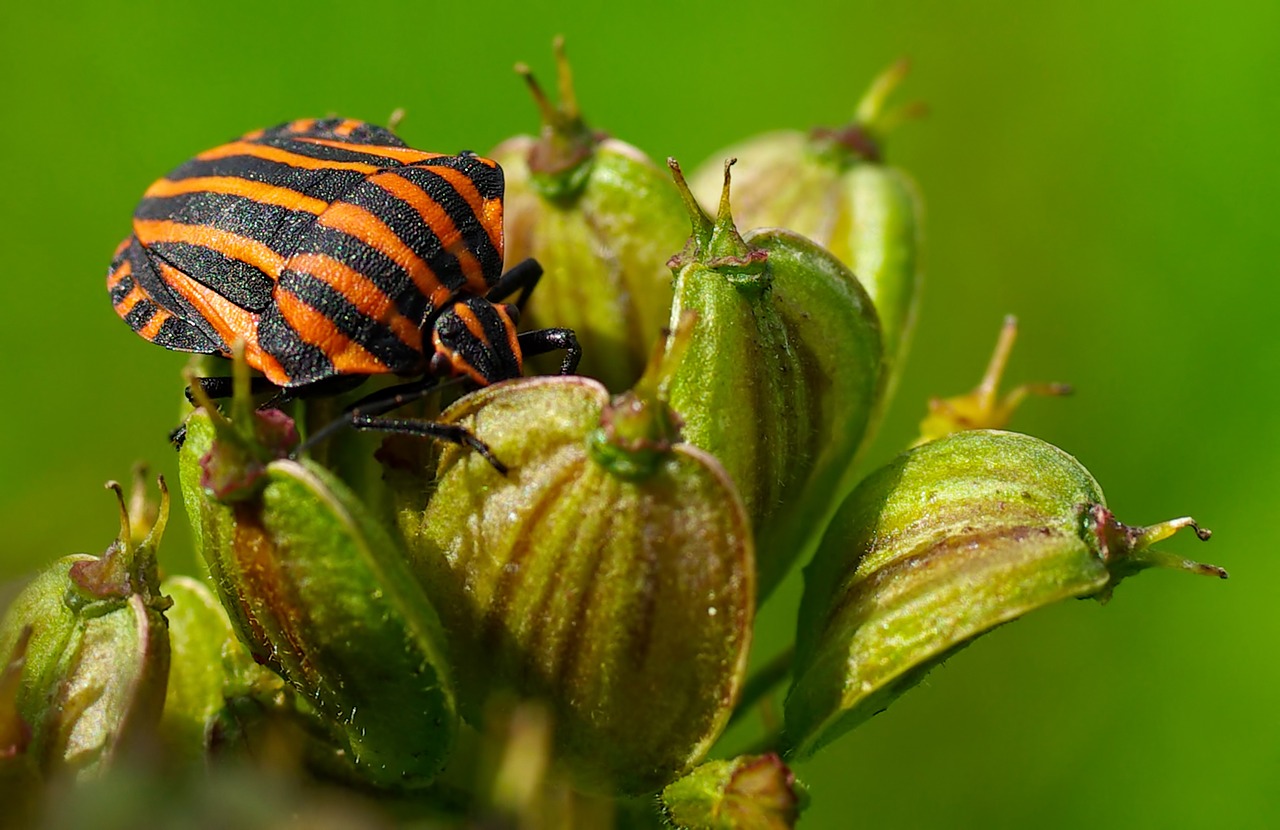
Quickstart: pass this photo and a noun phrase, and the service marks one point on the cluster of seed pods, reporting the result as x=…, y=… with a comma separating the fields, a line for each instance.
x=386, y=607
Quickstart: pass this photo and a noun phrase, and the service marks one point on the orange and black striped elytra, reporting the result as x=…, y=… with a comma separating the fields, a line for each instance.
x=333, y=251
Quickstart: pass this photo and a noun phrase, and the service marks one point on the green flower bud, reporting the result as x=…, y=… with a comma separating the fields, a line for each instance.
x=610, y=573
x=948, y=541
x=89, y=639
x=751, y=792
x=782, y=375
x=208, y=668
x=834, y=187
x=602, y=219
x=984, y=407
x=321, y=594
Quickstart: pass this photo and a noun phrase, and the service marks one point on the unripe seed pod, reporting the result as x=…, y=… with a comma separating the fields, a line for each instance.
x=321, y=594
x=609, y=573
x=94, y=646
x=782, y=375
x=602, y=218
x=751, y=792
x=834, y=187
x=208, y=667
x=948, y=541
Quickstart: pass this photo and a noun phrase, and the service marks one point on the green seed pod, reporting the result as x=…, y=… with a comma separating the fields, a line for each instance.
x=321, y=594
x=948, y=541
x=93, y=647
x=609, y=574
x=602, y=219
x=751, y=792
x=834, y=187
x=209, y=666
x=781, y=378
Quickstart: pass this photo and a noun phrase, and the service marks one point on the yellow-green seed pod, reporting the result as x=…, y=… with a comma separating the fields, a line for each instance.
x=834, y=187
x=602, y=219
x=948, y=541
x=781, y=378
x=610, y=573
x=91, y=642
x=321, y=593
x=751, y=792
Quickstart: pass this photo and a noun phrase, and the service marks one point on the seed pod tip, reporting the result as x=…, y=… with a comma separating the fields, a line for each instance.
x=983, y=407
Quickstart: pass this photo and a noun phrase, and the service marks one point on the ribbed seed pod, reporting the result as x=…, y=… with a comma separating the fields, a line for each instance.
x=782, y=375
x=751, y=792
x=93, y=647
x=610, y=573
x=948, y=541
x=833, y=186
x=602, y=219
x=321, y=594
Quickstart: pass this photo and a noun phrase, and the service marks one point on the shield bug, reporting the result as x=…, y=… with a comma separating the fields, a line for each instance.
x=335, y=252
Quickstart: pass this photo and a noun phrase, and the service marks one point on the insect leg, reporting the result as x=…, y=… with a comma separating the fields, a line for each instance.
x=542, y=341
x=452, y=433
x=363, y=415
x=375, y=403
x=522, y=277
x=220, y=387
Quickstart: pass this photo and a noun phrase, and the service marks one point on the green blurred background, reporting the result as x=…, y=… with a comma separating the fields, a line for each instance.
x=1105, y=171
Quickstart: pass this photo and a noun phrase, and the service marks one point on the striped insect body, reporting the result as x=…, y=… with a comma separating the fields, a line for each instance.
x=331, y=249
x=477, y=339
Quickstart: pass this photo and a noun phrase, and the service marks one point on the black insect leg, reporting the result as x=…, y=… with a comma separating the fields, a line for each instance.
x=452, y=433
x=542, y=341
x=221, y=387
x=218, y=388
x=362, y=415
x=327, y=388
x=375, y=403
x=522, y=277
